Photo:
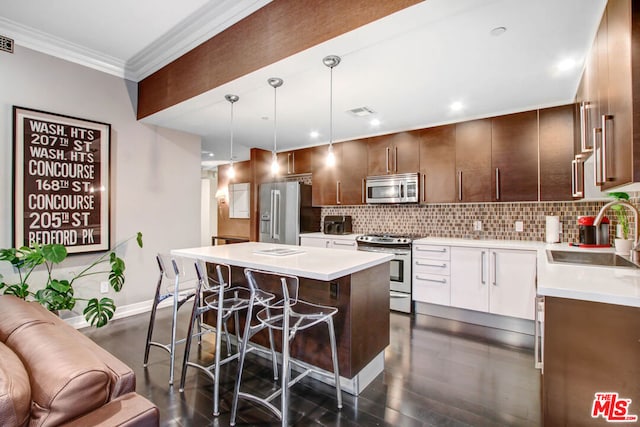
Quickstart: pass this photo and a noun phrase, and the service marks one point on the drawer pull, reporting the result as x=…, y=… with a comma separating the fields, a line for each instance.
x=344, y=244
x=431, y=265
x=443, y=250
x=443, y=281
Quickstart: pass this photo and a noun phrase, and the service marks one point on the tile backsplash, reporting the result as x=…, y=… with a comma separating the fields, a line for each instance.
x=457, y=220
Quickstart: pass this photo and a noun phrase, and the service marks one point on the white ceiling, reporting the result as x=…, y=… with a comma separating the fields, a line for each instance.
x=408, y=67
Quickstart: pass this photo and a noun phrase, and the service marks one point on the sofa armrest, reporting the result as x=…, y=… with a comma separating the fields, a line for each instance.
x=127, y=410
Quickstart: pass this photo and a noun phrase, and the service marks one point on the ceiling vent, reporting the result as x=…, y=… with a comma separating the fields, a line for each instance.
x=361, y=111
x=6, y=44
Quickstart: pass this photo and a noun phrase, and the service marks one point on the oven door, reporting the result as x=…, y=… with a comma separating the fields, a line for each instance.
x=400, y=274
x=399, y=266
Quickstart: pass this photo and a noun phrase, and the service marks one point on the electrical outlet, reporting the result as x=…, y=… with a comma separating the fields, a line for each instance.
x=104, y=287
x=477, y=226
x=519, y=226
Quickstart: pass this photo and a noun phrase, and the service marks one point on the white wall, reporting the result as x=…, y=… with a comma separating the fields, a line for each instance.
x=155, y=172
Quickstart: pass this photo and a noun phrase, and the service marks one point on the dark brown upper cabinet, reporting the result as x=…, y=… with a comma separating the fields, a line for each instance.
x=343, y=183
x=611, y=94
x=514, y=157
x=559, y=141
x=393, y=154
x=295, y=162
x=438, y=164
x=473, y=161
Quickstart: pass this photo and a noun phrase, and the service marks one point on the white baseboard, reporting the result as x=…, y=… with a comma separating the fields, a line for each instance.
x=79, y=322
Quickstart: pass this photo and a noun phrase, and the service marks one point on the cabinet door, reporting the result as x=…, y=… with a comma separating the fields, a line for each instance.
x=315, y=242
x=379, y=155
x=619, y=130
x=514, y=157
x=589, y=347
x=470, y=278
x=324, y=178
x=513, y=283
x=438, y=164
x=405, y=150
x=558, y=139
x=295, y=162
x=473, y=161
x=352, y=171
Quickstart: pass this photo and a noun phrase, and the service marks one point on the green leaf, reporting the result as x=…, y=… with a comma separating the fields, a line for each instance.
x=54, y=253
x=139, y=239
x=98, y=313
x=619, y=195
x=116, y=276
x=9, y=255
x=18, y=290
x=61, y=286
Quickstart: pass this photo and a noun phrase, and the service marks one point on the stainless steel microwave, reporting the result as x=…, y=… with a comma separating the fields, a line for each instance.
x=401, y=188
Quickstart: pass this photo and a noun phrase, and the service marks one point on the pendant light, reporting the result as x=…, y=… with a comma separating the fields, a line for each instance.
x=331, y=61
x=231, y=173
x=275, y=83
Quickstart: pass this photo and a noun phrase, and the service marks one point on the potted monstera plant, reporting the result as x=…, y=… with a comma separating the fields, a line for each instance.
x=58, y=294
x=622, y=243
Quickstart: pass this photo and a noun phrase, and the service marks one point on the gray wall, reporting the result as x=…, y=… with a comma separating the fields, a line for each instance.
x=155, y=172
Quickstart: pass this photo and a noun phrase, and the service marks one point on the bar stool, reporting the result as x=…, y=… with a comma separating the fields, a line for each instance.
x=227, y=301
x=289, y=315
x=181, y=288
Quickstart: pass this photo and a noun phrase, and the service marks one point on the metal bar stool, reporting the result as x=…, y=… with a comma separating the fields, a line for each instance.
x=181, y=288
x=227, y=301
x=289, y=315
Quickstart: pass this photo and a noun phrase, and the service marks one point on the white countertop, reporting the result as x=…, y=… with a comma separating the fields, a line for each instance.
x=313, y=263
x=612, y=285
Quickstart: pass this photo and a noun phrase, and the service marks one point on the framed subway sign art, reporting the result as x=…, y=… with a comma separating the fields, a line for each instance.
x=61, y=181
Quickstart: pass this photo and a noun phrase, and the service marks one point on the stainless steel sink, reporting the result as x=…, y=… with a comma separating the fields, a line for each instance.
x=603, y=259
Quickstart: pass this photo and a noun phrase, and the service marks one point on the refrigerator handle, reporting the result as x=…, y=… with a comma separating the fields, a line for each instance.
x=275, y=214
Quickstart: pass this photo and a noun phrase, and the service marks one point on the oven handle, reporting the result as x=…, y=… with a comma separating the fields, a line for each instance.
x=385, y=251
x=394, y=294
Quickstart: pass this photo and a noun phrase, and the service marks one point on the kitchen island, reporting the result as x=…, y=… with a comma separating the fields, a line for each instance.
x=356, y=283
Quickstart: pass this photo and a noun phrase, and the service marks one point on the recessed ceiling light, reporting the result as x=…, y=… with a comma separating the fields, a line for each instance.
x=456, y=106
x=314, y=134
x=375, y=122
x=566, y=64
x=498, y=31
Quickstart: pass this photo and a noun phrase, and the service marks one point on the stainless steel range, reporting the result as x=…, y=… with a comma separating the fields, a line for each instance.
x=400, y=277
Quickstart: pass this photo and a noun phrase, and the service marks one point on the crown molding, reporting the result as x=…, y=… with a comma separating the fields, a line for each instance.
x=40, y=41
x=203, y=24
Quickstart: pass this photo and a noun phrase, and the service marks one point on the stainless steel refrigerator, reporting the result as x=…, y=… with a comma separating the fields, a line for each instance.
x=286, y=211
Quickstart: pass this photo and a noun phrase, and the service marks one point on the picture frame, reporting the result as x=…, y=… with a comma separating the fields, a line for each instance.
x=61, y=181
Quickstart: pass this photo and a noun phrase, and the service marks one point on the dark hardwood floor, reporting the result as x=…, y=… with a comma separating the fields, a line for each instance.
x=431, y=378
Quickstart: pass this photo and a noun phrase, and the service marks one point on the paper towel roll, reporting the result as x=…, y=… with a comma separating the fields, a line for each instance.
x=552, y=229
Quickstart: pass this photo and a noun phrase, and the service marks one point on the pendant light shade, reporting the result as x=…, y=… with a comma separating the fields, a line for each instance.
x=275, y=83
x=331, y=61
x=231, y=173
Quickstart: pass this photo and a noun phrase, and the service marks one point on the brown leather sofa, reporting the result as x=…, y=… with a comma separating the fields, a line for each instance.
x=53, y=375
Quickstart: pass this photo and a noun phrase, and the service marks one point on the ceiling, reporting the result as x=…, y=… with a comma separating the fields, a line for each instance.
x=408, y=68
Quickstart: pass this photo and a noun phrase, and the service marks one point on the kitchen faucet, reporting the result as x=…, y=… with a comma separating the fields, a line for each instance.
x=598, y=220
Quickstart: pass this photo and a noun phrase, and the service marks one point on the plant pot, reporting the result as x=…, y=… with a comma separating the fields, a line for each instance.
x=623, y=246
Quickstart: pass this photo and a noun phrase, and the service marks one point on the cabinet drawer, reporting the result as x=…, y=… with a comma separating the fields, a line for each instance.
x=431, y=252
x=431, y=266
x=431, y=288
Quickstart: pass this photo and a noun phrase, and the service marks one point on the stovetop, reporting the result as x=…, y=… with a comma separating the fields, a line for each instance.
x=387, y=239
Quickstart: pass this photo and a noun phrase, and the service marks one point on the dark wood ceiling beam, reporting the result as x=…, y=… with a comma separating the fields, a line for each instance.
x=280, y=29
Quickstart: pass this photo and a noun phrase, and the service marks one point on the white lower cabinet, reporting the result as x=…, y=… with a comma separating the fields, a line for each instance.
x=431, y=269
x=347, y=243
x=498, y=281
